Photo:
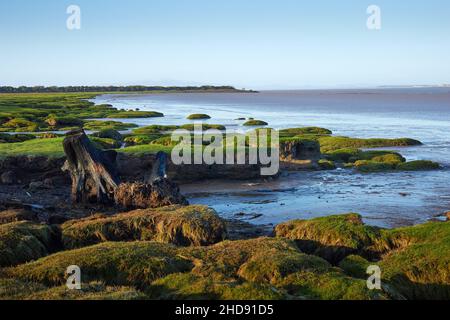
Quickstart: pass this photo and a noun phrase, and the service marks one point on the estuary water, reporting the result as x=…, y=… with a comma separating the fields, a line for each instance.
x=385, y=199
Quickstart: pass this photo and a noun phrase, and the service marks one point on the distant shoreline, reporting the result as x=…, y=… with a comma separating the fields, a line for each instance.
x=120, y=89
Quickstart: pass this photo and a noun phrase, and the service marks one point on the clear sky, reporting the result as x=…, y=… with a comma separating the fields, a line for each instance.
x=252, y=44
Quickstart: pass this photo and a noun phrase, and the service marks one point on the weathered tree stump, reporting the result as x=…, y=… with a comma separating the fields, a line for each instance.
x=95, y=178
x=93, y=171
x=156, y=191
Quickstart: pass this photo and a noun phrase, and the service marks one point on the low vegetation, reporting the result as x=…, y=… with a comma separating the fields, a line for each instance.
x=37, y=112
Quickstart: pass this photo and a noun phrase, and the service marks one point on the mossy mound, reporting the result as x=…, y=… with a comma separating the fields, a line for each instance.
x=12, y=138
x=329, y=144
x=330, y=285
x=56, y=122
x=97, y=125
x=105, y=143
x=134, y=264
x=254, y=123
x=260, y=269
x=355, y=266
x=109, y=134
x=263, y=268
x=15, y=215
x=189, y=225
x=11, y=289
x=25, y=241
x=20, y=125
x=305, y=130
x=418, y=264
x=331, y=237
x=134, y=140
x=392, y=163
x=418, y=165
x=154, y=129
x=135, y=114
x=205, y=126
x=350, y=155
x=414, y=261
x=181, y=286
x=373, y=166
x=198, y=116
x=326, y=164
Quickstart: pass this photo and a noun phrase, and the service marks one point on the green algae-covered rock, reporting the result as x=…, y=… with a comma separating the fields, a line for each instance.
x=414, y=261
x=114, y=263
x=418, y=264
x=109, y=134
x=418, y=165
x=326, y=164
x=11, y=289
x=355, y=266
x=331, y=237
x=180, y=225
x=332, y=143
x=191, y=286
x=252, y=123
x=198, y=116
x=291, y=132
x=373, y=166
x=25, y=241
x=263, y=268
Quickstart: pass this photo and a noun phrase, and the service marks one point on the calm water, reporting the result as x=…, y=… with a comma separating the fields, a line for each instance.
x=384, y=199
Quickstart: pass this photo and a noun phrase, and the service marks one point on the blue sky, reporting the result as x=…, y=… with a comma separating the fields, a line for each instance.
x=252, y=44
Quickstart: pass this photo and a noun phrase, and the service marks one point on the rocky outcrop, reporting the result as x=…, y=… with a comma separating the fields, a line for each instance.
x=299, y=149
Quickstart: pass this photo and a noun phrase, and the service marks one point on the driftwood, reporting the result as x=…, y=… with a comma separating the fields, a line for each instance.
x=95, y=178
x=93, y=171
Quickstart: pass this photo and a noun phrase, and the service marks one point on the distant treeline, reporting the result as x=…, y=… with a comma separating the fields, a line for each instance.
x=42, y=89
